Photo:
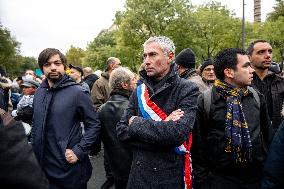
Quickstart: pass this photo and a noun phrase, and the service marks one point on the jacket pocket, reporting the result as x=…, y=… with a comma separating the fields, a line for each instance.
x=63, y=145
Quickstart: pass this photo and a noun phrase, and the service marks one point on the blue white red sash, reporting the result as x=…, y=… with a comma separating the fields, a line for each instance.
x=150, y=110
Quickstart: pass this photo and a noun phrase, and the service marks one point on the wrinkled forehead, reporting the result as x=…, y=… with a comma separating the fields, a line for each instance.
x=152, y=47
x=261, y=46
x=29, y=72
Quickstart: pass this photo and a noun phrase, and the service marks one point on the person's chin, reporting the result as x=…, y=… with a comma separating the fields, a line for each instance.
x=150, y=74
x=54, y=78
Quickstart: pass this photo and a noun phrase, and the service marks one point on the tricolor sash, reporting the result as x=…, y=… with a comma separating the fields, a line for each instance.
x=150, y=110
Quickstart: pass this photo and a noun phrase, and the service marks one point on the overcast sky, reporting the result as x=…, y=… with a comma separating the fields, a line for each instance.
x=38, y=24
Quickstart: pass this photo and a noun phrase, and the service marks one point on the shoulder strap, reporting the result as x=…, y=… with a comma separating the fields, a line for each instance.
x=208, y=95
x=207, y=100
x=255, y=95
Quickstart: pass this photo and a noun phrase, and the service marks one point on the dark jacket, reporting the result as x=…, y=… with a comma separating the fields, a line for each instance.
x=25, y=114
x=188, y=73
x=18, y=165
x=274, y=97
x=274, y=165
x=58, y=112
x=90, y=80
x=155, y=164
x=2, y=102
x=208, y=147
x=119, y=153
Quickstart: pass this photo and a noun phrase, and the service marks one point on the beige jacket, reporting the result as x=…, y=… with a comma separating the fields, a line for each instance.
x=101, y=90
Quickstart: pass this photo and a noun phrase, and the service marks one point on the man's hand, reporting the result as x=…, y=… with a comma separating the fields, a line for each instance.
x=131, y=119
x=175, y=115
x=70, y=156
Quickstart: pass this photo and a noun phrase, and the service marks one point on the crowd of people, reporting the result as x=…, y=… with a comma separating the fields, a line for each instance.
x=172, y=125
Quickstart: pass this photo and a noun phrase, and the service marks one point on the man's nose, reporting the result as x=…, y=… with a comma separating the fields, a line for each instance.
x=53, y=66
x=268, y=54
x=146, y=60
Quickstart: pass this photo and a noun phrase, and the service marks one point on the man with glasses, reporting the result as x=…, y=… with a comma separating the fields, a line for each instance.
x=59, y=106
x=207, y=76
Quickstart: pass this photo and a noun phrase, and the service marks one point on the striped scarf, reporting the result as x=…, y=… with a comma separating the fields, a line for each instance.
x=237, y=133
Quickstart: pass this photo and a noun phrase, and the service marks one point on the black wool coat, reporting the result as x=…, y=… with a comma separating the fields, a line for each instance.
x=155, y=164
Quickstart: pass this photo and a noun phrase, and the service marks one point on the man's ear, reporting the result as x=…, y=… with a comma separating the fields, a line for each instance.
x=249, y=56
x=229, y=73
x=111, y=66
x=124, y=85
x=171, y=56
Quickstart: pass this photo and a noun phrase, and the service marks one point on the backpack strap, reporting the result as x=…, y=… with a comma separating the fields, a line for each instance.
x=207, y=94
x=255, y=95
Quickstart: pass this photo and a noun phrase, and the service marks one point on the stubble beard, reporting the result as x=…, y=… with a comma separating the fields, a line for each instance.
x=54, y=79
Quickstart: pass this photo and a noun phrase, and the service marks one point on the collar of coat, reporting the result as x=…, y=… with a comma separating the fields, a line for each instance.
x=63, y=82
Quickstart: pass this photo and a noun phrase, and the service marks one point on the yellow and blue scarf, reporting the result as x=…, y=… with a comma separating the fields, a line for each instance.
x=236, y=132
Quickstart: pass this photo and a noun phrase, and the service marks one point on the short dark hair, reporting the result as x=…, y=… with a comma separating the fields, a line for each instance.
x=251, y=45
x=47, y=53
x=226, y=58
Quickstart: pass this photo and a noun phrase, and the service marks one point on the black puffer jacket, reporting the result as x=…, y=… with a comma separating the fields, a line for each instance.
x=119, y=153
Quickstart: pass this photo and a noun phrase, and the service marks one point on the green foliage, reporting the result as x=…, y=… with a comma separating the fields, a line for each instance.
x=214, y=28
x=145, y=18
x=75, y=56
x=206, y=29
x=8, y=47
x=278, y=11
x=100, y=49
x=13, y=63
x=273, y=32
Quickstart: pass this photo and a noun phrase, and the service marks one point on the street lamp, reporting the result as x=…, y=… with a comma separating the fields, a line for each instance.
x=243, y=26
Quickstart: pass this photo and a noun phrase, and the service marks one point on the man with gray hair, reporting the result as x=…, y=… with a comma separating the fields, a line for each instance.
x=158, y=120
x=122, y=82
x=101, y=90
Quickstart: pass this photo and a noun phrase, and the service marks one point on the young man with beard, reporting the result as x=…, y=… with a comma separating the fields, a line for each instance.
x=59, y=106
x=230, y=140
x=268, y=83
x=158, y=120
x=122, y=82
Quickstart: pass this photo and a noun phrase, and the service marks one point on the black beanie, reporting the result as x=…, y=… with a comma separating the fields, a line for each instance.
x=205, y=63
x=186, y=58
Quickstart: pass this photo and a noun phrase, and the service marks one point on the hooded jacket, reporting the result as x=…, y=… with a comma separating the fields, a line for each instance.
x=58, y=112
